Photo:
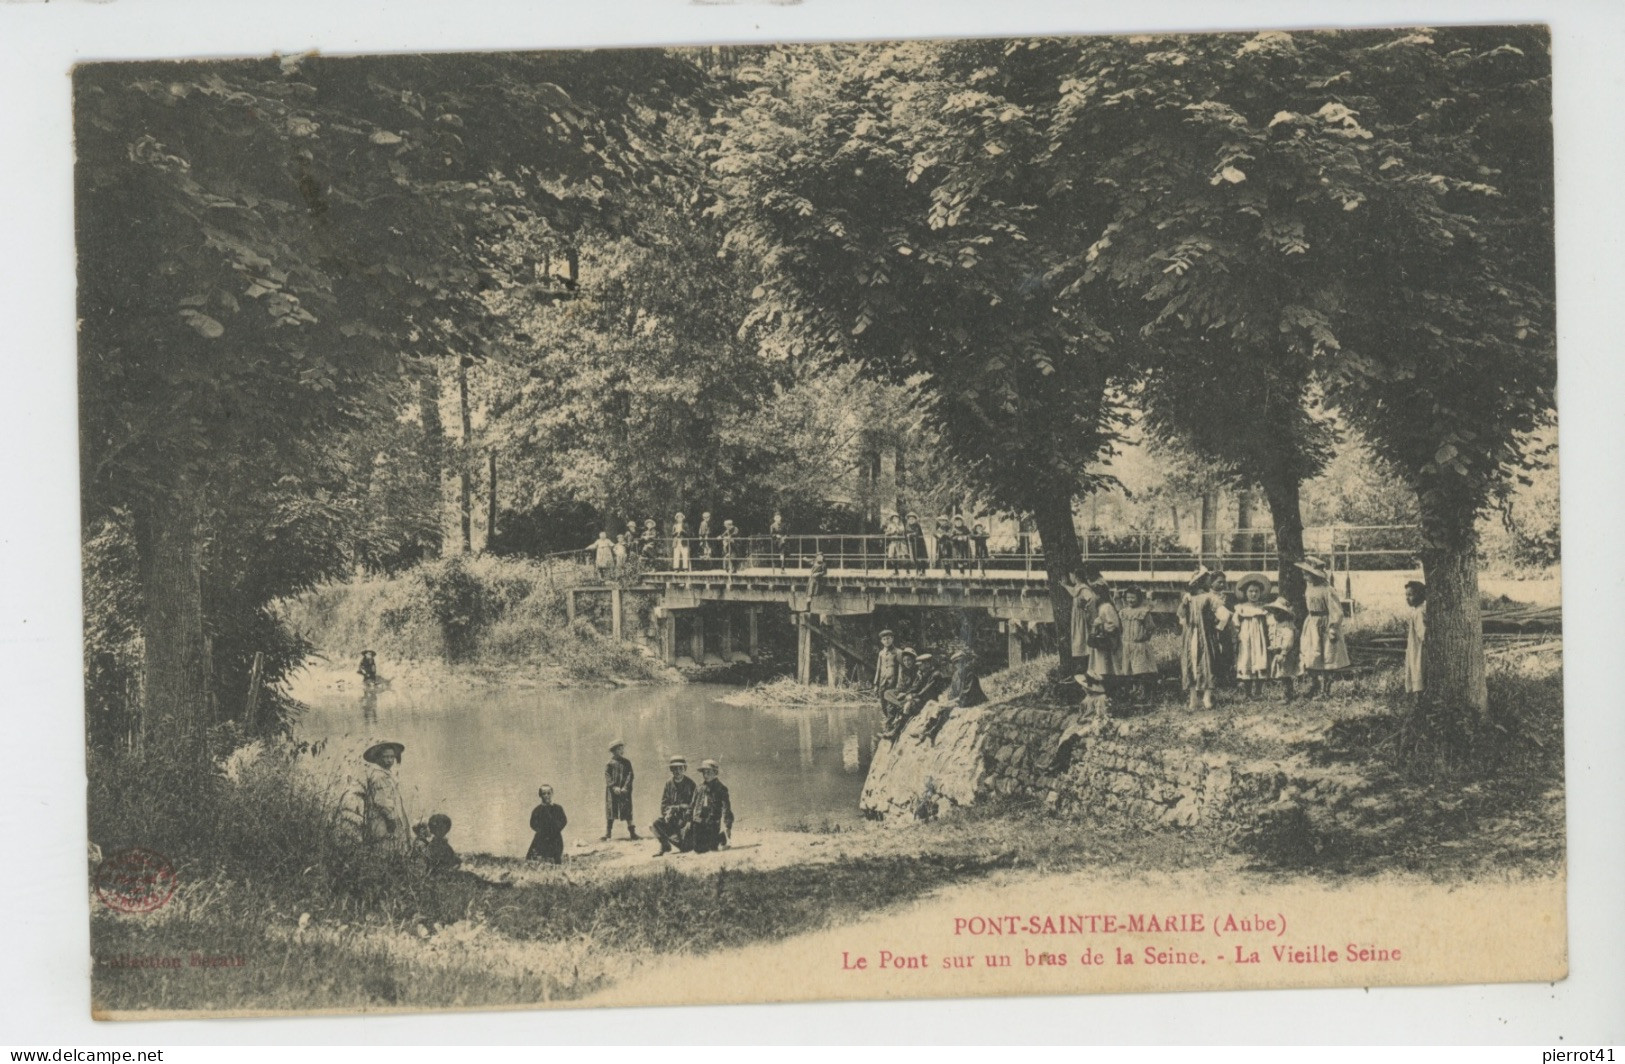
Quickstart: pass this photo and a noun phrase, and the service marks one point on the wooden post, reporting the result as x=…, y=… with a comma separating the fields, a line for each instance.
x=754, y=617
x=727, y=637
x=668, y=638
x=803, y=650
x=615, y=612
x=696, y=646
x=569, y=605
x=832, y=656
x=1012, y=644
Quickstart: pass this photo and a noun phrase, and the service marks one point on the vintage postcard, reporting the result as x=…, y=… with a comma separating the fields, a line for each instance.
x=934, y=518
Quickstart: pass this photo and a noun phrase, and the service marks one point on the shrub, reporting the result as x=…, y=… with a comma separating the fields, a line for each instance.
x=492, y=610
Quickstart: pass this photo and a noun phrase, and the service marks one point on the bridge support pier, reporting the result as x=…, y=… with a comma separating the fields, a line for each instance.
x=727, y=638
x=668, y=637
x=753, y=617
x=803, y=650
x=1012, y=643
x=832, y=656
x=615, y=613
x=570, y=605
x=696, y=645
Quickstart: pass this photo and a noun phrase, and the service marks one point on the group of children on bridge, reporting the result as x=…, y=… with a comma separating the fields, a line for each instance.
x=713, y=547
x=956, y=544
x=953, y=544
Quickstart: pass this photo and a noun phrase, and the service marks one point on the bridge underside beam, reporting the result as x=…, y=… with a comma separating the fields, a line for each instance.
x=1031, y=606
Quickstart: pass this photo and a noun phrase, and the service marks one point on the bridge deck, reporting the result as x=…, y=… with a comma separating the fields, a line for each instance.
x=1010, y=595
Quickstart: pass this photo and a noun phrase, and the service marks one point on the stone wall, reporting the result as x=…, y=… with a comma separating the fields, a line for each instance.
x=1063, y=762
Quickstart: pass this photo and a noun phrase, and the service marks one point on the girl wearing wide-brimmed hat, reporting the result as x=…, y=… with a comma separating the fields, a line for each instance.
x=1201, y=616
x=1252, y=633
x=1097, y=629
x=1321, y=650
x=1283, y=629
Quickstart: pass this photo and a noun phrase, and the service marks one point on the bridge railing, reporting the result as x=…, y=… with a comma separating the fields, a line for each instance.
x=1346, y=547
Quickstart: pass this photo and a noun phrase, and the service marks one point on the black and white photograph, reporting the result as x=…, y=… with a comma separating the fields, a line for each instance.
x=926, y=518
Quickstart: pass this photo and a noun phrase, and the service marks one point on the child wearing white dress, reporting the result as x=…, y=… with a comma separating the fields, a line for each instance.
x=1252, y=634
x=1283, y=644
x=1322, y=653
x=1416, y=633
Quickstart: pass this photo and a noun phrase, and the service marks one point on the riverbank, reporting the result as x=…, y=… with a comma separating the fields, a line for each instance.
x=324, y=676
x=305, y=928
x=478, y=620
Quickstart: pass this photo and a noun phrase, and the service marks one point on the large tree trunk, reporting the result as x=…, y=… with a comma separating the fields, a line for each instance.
x=1453, y=654
x=176, y=670
x=491, y=501
x=434, y=451
x=900, y=477
x=1210, y=521
x=1281, y=492
x=1053, y=517
x=465, y=487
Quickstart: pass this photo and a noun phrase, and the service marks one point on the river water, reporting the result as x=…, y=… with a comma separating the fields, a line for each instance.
x=479, y=754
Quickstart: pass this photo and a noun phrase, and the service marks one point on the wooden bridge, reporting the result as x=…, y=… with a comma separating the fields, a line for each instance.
x=1015, y=599
x=720, y=600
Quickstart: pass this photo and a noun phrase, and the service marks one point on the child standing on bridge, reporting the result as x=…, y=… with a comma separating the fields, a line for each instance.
x=779, y=539
x=703, y=534
x=916, y=542
x=897, y=552
x=603, y=549
x=944, y=541
x=650, y=543
x=959, y=535
x=622, y=545
x=680, y=557
x=730, y=536
x=978, y=539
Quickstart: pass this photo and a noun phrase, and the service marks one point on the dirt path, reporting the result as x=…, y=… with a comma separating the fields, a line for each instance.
x=751, y=850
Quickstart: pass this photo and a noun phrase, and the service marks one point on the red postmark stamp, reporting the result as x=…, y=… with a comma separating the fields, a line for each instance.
x=135, y=881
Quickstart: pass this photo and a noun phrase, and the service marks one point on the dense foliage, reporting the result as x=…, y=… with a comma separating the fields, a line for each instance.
x=325, y=303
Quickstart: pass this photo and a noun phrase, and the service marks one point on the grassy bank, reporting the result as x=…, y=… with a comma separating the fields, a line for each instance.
x=554, y=935
x=290, y=919
x=491, y=612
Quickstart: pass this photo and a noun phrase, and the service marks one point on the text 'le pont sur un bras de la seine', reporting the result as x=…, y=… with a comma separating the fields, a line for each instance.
x=987, y=930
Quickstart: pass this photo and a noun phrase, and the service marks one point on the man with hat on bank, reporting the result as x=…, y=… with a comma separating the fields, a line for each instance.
x=618, y=792
x=929, y=684
x=375, y=811
x=712, y=815
x=888, y=667
x=676, y=809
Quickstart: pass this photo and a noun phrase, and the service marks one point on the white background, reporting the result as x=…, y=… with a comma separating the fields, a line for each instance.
x=44, y=984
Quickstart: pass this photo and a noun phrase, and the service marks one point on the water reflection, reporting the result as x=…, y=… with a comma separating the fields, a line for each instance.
x=478, y=755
